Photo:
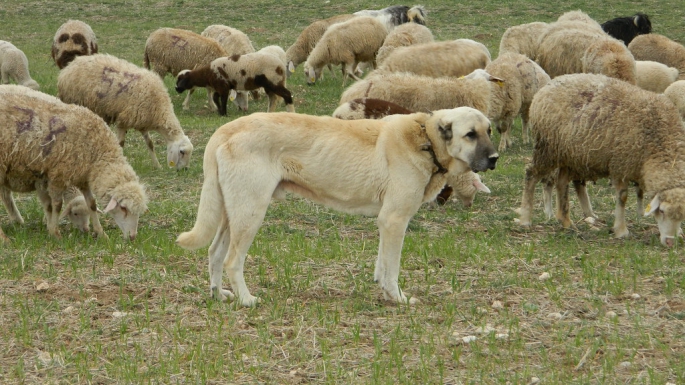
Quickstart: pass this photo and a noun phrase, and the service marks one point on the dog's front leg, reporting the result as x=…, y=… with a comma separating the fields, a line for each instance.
x=392, y=227
x=217, y=255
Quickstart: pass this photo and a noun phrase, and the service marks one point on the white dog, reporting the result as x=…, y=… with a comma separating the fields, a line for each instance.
x=385, y=168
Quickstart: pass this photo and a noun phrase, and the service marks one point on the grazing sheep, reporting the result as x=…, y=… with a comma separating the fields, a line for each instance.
x=395, y=15
x=579, y=17
x=661, y=49
x=464, y=186
x=522, y=78
x=523, y=39
x=15, y=66
x=224, y=76
x=306, y=41
x=368, y=108
x=626, y=28
x=442, y=58
x=404, y=35
x=676, y=92
x=611, y=58
x=73, y=38
x=64, y=145
x=172, y=50
x=654, y=76
x=421, y=93
x=132, y=97
x=350, y=43
x=590, y=126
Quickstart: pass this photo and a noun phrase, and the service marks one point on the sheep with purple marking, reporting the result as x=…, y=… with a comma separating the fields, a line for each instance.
x=73, y=38
x=626, y=28
x=590, y=126
x=437, y=59
x=661, y=49
x=63, y=145
x=129, y=96
x=654, y=76
x=15, y=66
x=348, y=44
x=227, y=75
x=402, y=36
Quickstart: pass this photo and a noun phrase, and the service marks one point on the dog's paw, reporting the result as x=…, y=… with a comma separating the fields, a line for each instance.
x=249, y=301
x=221, y=294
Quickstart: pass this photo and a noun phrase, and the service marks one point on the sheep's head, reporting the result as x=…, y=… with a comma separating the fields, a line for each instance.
x=127, y=203
x=311, y=73
x=178, y=153
x=78, y=213
x=32, y=84
x=668, y=208
x=183, y=81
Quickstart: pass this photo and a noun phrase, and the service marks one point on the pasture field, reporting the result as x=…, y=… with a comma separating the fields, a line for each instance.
x=81, y=310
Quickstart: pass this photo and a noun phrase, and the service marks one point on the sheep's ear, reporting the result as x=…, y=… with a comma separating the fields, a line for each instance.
x=480, y=186
x=232, y=95
x=111, y=205
x=653, y=205
x=291, y=67
x=446, y=131
x=499, y=81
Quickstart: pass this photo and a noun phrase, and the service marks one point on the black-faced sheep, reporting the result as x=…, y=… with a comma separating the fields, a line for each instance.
x=132, y=97
x=73, y=38
x=225, y=76
x=654, y=76
x=15, y=66
x=442, y=58
x=590, y=126
x=523, y=39
x=661, y=49
x=348, y=44
x=395, y=15
x=404, y=35
x=626, y=28
x=67, y=145
x=172, y=50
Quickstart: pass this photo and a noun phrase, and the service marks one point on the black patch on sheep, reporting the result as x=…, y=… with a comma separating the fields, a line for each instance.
x=93, y=48
x=399, y=15
x=235, y=57
x=63, y=38
x=279, y=71
x=444, y=195
x=78, y=38
x=270, y=88
x=626, y=28
x=377, y=108
x=243, y=72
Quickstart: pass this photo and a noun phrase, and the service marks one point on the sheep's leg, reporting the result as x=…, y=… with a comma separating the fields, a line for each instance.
x=504, y=129
x=186, y=101
x=548, y=186
x=151, y=148
x=584, y=199
x=640, y=198
x=52, y=203
x=273, y=100
x=280, y=90
x=210, y=101
x=8, y=201
x=563, y=212
x=220, y=100
x=524, y=125
x=121, y=135
x=620, y=227
x=94, y=217
x=532, y=178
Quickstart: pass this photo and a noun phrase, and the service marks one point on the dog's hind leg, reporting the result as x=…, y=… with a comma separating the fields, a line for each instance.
x=217, y=255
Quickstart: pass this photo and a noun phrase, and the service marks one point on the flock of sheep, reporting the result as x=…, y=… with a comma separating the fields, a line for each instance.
x=602, y=101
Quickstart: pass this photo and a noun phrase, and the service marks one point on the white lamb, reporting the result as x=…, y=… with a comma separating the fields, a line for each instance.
x=132, y=97
x=676, y=92
x=15, y=66
x=404, y=35
x=523, y=39
x=654, y=76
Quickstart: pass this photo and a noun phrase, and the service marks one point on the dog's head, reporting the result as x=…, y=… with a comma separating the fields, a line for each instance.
x=465, y=133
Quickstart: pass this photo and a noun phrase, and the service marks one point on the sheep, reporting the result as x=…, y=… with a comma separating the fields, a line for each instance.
x=307, y=39
x=172, y=50
x=444, y=58
x=626, y=28
x=15, y=66
x=66, y=145
x=349, y=43
x=73, y=38
x=225, y=76
x=404, y=35
x=654, y=76
x=676, y=93
x=464, y=186
x=523, y=39
x=580, y=18
x=661, y=49
x=522, y=78
x=575, y=47
x=395, y=15
x=368, y=108
x=591, y=126
x=132, y=97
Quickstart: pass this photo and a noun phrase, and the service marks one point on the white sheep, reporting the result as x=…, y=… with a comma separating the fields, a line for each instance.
x=580, y=17
x=73, y=38
x=395, y=15
x=368, y=108
x=610, y=57
x=172, y=50
x=404, y=35
x=464, y=186
x=226, y=75
x=523, y=39
x=67, y=145
x=15, y=66
x=590, y=126
x=661, y=49
x=350, y=43
x=654, y=76
x=441, y=58
x=307, y=39
x=130, y=96
x=676, y=92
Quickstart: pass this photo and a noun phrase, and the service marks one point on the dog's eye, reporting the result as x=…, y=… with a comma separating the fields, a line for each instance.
x=471, y=135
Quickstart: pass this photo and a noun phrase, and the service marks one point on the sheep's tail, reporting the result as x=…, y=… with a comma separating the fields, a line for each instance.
x=211, y=207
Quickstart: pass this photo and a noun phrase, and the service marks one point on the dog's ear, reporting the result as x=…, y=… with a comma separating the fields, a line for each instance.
x=446, y=131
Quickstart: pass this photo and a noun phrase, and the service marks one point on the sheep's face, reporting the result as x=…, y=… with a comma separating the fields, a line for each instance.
x=668, y=208
x=183, y=81
x=125, y=219
x=312, y=74
x=178, y=153
x=466, y=135
x=78, y=213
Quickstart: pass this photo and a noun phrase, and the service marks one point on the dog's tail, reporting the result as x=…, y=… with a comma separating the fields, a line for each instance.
x=211, y=206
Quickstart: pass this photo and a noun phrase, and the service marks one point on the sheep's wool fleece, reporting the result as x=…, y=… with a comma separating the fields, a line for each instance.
x=599, y=127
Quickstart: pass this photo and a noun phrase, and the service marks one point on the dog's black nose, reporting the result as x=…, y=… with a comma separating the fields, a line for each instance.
x=492, y=161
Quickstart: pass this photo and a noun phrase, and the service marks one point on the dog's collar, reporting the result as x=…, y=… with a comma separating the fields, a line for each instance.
x=429, y=147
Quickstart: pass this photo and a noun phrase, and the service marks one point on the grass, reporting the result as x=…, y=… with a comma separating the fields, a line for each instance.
x=612, y=311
